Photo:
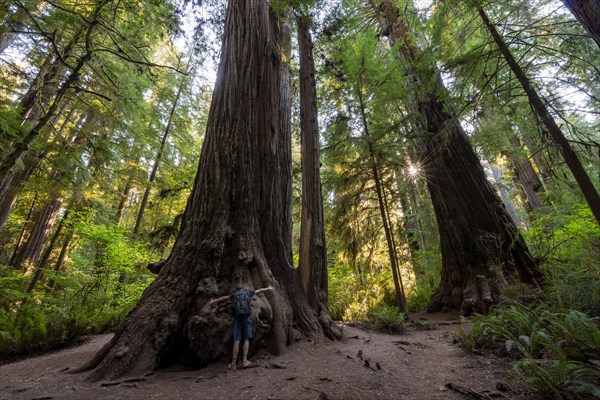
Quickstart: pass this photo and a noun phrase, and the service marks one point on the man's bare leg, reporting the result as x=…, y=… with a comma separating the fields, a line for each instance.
x=245, y=361
x=236, y=350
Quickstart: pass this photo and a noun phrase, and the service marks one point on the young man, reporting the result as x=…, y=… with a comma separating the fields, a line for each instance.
x=242, y=321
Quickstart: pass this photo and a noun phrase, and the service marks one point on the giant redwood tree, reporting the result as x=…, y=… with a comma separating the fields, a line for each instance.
x=312, y=258
x=478, y=239
x=587, y=12
x=237, y=224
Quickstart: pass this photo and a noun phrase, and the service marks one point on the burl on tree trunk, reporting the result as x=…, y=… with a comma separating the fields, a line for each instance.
x=237, y=224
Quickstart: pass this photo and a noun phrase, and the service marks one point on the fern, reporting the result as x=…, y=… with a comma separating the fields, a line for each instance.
x=559, y=379
x=551, y=348
x=386, y=318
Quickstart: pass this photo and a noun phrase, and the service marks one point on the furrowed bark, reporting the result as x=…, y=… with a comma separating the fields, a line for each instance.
x=587, y=12
x=237, y=220
x=312, y=264
x=478, y=240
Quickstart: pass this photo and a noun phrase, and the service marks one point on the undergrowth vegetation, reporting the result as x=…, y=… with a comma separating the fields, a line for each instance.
x=551, y=336
x=102, y=282
x=568, y=247
x=555, y=353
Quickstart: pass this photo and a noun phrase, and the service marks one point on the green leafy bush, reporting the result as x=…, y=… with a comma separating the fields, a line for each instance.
x=568, y=247
x=385, y=318
x=351, y=300
x=554, y=352
x=99, y=286
x=559, y=379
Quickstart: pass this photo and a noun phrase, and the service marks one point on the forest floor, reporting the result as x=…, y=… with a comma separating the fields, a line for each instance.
x=416, y=364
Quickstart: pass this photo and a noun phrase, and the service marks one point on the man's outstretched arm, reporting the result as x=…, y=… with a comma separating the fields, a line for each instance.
x=263, y=289
x=218, y=300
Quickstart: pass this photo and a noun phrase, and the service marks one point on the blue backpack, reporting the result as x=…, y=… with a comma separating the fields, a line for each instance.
x=240, y=303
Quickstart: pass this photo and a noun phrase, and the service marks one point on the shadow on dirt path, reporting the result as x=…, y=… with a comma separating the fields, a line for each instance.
x=417, y=364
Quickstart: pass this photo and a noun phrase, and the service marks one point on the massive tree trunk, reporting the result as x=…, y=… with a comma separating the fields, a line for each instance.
x=312, y=264
x=587, y=12
x=477, y=236
x=237, y=221
x=581, y=177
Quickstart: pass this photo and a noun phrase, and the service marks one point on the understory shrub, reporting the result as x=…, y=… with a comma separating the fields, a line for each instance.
x=385, y=318
x=555, y=353
x=360, y=298
x=568, y=247
x=92, y=294
x=44, y=320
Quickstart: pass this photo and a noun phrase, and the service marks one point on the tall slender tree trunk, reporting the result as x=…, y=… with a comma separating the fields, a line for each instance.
x=396, y=275
x=581, y=177
x=505, y=196
x=312, y=264
x=24, y=230
x=163, y=142
x=414, y=239
x=477, y=236
x=528, y=178
x=60, y=261
x=124, y=197
x=30, y=253
x=15, y=22
x=587, y=12
x=39, y=270
x=237, y=219
x=10, y=160
x=123, y=200
x=395, y=247
x=423, y=219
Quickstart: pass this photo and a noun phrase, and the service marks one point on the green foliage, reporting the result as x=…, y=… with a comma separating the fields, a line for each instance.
x=385, y=318
x=8, y=126
x=552, y=350
x=102, y=284
x=428, y=263
x=350, y=297
x=559, y=379
x=569, y=248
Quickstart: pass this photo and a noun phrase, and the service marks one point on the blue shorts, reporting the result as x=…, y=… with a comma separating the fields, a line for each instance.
x=242, y=326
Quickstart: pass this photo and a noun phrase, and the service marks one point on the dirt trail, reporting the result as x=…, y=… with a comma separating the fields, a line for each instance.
x=413, y=365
